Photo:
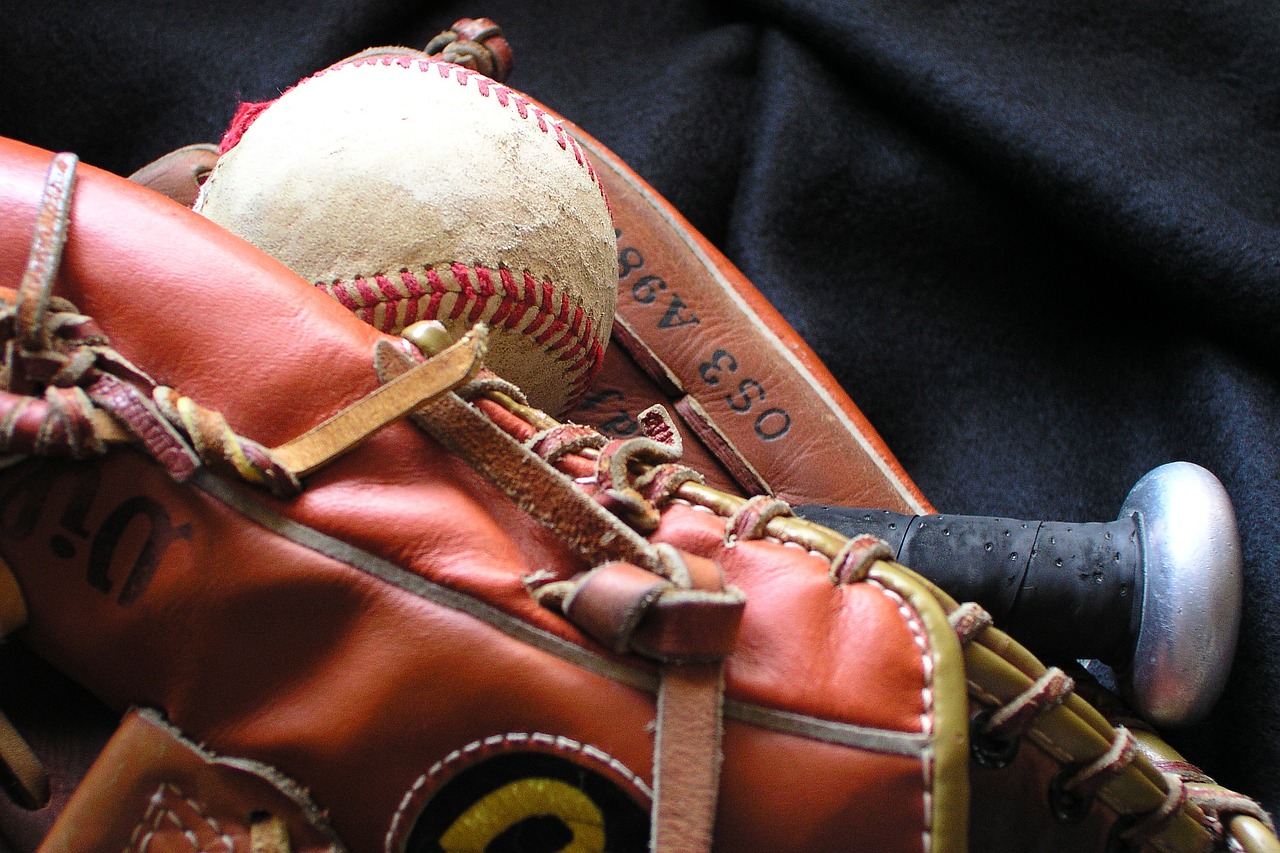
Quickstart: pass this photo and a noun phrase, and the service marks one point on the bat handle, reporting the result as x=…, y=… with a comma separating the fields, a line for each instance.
x=1155, y=594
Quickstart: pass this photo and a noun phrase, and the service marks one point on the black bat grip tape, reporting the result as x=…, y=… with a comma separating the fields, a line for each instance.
x=1065, y=590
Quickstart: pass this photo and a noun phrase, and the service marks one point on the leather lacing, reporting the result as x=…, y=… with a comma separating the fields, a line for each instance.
x=64, y=392
x=475, y=43
x=1074, y=788
x=67, y=392
x=1219, y=805
x=854, y=560
x=60, y=371
x=751, y=520
x=638, y=477
x=61, y=374
x=996, y=731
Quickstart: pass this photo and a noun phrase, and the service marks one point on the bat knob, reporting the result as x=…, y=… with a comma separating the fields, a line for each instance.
x=1192, y=588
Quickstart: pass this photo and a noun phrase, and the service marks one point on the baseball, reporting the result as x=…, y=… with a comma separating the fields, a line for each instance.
x=412, y=189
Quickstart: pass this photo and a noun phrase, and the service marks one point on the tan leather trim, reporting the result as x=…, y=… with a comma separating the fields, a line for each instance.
x=687, y=756
x=946, y=758
x=908, y=744
x=998, y=669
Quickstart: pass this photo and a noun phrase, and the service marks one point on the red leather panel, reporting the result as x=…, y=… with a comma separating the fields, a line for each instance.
x=356, y=675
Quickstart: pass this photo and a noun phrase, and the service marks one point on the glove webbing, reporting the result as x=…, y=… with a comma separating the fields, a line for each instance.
x=35, y=316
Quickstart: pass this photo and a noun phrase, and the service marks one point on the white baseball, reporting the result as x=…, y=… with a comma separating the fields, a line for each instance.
x=412, y=189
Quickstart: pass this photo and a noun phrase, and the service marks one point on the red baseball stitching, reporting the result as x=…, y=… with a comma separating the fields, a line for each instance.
x=562, y=329
x=569, y=333
x=508, y=98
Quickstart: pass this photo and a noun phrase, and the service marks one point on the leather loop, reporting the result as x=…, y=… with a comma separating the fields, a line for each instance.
x=693, y=572
x=616, y=489
x=657, y=424
x=750, y=520
x=854, y=560
x=628, y=608
x=1153, y=822
x=1092, y=777
x=475, y=43
x=688, y=626
x=661, y=483
x=968, y=620
x=557, y=441
x=47, y=241
x=1048, y=691
x=141, y=418
x=610, y=601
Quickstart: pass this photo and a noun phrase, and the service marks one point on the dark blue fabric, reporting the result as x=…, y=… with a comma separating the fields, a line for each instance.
x=1038, y=243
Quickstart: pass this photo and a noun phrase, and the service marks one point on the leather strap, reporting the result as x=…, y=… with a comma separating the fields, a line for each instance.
x=622, y=603
x=49, y=237
x=455, y=366
x=551, y=499
x=689, y=621
x=687, y=758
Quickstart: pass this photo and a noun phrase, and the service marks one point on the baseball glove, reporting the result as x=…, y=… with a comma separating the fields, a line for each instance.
x=362, y=595
x=325, y=176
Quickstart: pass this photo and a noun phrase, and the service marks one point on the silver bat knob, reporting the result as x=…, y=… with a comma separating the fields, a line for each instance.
x=1191, y=593
x=1155, y=594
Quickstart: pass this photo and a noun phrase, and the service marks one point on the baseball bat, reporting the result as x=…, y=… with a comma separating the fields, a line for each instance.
x=1154, y=594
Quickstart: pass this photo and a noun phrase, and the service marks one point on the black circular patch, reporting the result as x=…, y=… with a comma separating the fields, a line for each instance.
x=534, y=801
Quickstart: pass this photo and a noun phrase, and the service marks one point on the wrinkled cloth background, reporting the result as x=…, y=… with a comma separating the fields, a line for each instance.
x=1038, y=243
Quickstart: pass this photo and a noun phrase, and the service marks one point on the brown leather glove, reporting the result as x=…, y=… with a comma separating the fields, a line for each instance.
x=475, y=628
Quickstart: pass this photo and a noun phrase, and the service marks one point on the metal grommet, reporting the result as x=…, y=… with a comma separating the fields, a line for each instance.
x=988, y=750
x=1067, y=806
